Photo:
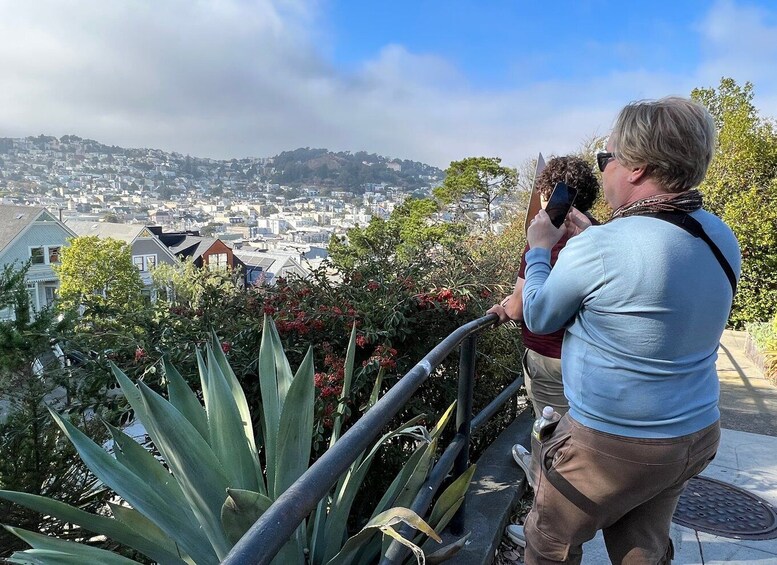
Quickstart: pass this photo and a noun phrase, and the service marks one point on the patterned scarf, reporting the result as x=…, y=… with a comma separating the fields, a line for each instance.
x=687, y=201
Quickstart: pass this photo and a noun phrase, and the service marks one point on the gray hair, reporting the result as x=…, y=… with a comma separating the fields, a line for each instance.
x=674, y=138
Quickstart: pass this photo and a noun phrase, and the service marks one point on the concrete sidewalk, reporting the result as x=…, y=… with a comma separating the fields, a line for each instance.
x=748, y=403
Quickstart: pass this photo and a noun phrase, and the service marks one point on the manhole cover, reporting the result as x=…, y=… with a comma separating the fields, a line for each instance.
x=722, y=509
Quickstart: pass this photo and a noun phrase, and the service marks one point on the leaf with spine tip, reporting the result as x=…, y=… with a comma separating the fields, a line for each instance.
x=240, y=510
x=142, y=463
x=85, y=553
x=450, y=500
x=158, y=549
x=285, y=375
x=295, y=430
x=271, y=404
x=448, y=551
x=443, y=421
x=346, y=390
x=227, y=431
x=184, y=399
x=382, y=522
x=139, y=493
x=237, y=391
x=130, y=391
x=204, y=381
x=193, y=464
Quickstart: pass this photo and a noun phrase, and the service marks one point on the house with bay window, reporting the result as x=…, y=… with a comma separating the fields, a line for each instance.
x=33, y=234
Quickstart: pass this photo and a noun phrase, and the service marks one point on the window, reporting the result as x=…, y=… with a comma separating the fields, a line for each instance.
x=144, y=262
x=218, y=261
x=37, y=255
x=54, y=254
x=51, y=294
x=45, y=254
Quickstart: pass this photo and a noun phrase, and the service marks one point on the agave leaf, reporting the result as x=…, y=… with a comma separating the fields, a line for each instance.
x=130, y=392
x=271, y=404
x=143, y=464
x=399, y=481
x=382, y=522
x=240, y=510
x=193, y=463
x=346, y=391
x=410, y=489
x=147, y=529
x=174, y=521
x=85, y=553
x=450, y=500
x=184, y=399
x=204, y=382
x=445, y=553
x=443, y=421
x=295, y=431
x=161, y=550
x=317, y=528
x=227, y=431
x=376, y=388
x=237, y=391
x=284, y=373
x=345, y=493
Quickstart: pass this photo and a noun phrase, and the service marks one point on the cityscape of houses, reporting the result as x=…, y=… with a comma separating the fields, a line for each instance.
x=168, y=207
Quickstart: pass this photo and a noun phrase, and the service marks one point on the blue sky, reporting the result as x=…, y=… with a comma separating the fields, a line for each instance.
x=429, y=81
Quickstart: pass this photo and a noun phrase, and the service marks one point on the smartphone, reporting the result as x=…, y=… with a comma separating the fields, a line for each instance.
x=561, y=200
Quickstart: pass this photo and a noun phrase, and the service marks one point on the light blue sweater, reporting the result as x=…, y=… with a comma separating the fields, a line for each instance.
x=645, y=304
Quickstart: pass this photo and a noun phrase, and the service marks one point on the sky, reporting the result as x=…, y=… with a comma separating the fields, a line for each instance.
x=421, y=80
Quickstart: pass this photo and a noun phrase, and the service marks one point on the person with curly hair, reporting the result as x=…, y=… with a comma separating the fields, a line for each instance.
x=542, y=358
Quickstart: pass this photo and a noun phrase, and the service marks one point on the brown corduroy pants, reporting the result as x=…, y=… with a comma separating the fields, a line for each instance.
x=627, y=487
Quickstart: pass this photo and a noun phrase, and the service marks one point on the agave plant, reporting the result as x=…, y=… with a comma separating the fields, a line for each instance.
x=213, y=479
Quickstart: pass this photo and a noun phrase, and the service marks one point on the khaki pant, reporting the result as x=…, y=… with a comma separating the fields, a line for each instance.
x=542, y=377
x=627, y=487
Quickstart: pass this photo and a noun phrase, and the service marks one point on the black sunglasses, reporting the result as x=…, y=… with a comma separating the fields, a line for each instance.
x=602, y=158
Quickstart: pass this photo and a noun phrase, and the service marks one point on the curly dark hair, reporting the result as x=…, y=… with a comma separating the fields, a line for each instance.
x=575, y=172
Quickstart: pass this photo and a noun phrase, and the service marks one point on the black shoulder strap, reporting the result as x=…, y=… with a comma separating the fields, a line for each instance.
x=693, y=227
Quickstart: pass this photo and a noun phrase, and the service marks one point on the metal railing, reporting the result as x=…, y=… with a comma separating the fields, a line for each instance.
x=273, y=529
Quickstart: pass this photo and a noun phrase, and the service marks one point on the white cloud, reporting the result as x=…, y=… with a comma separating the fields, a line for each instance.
x=235, y=78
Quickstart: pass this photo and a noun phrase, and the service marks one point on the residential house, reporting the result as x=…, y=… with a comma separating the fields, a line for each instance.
x=264, y=267
x=148, y=251
x=202, y=250
x=33, y=234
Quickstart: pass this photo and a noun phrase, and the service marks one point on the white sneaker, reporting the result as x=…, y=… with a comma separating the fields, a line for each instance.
x=523, y=458
x=516, y=535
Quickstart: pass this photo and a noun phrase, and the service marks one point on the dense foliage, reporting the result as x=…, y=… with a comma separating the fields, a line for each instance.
x=32, y=374
x=741, y=187
x=97, y=274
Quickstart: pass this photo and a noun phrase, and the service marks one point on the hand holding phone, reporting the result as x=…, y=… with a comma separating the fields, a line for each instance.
x=559, y=203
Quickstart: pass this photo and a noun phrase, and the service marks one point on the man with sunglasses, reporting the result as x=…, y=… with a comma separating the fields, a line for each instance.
x=644, y=304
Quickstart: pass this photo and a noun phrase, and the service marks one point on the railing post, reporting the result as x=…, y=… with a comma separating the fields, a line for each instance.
x=464, y=419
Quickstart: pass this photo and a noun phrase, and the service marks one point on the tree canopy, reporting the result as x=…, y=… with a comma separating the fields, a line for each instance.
x=741, y=188
x=474, y=183
x=98, y=273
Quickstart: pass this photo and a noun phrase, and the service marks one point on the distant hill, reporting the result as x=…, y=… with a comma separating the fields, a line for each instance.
x=350, y=171
x=344, y=170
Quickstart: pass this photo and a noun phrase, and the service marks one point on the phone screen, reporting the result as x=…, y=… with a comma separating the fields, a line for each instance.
x=561, y=200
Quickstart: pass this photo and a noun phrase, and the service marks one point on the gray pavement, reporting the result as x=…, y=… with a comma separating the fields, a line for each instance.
x=747, y=458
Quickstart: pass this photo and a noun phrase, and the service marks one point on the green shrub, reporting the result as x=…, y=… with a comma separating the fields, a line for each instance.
x=209, y=483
